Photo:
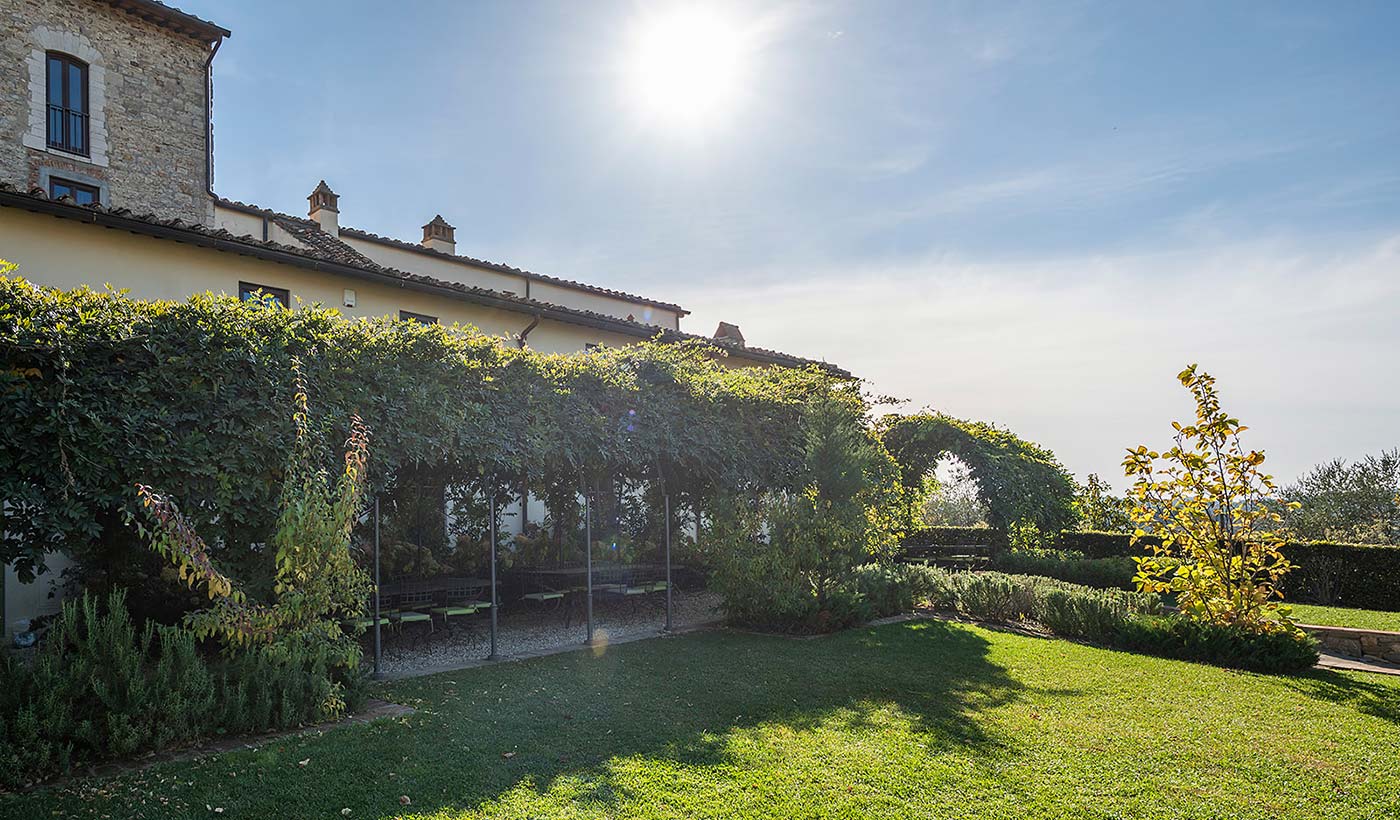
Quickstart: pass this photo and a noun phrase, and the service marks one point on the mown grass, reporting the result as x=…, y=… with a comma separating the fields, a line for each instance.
x=1339, y=616
x=916, y=720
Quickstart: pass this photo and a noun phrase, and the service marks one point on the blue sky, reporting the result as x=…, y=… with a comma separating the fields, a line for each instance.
x=1030, y=213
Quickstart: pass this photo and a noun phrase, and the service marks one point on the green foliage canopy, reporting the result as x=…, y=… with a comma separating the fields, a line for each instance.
x=99, y=391
x=1019, y=481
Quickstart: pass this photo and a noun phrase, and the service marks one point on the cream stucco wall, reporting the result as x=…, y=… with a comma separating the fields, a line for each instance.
x=456, y=270
x=604, y=304
x=67, y=254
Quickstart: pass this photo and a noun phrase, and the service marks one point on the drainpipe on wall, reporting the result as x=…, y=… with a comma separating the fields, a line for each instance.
x=209, y=117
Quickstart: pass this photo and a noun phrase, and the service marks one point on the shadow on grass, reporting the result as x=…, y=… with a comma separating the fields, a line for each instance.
x=682, y=702
x=1358, y=691
x=588, y=728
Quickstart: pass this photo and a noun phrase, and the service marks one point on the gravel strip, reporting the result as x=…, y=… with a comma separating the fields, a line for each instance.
x=525, y=630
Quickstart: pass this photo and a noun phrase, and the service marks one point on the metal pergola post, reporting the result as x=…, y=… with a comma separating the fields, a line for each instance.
x=668, y=561
x=588, y=565
x=377, y=673
x=494, y=602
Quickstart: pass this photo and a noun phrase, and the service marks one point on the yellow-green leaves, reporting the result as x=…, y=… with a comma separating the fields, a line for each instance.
x=1215, y=515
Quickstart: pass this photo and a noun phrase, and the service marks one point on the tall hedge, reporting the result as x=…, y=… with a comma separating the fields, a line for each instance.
x=99, y=391
x=1363, y=576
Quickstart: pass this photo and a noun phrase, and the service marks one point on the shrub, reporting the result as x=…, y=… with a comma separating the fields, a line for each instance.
x=1102, y=573
x=100, y=688
x=784, y=561
x=993, y=596
x=1219, y=644
x=891, y=588
x=1094, y=615
x=887, y=589
x=1067, y=609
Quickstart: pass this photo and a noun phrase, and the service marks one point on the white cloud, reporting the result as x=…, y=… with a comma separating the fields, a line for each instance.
x=1081, y=353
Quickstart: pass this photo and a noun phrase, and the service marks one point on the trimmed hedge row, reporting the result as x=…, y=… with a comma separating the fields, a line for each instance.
x=1096, y=544
x=1362, y=576
x=1127, y=620
x=951, y=536
x=1100, y=573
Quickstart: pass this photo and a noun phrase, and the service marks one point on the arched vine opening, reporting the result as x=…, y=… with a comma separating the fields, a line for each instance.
x=1018, y=481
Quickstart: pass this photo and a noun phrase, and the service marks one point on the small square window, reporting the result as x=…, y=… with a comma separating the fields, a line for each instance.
x=77, y=191
x=249, y=292
x=420, y=318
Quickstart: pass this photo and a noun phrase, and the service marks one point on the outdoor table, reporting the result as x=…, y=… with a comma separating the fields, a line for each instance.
x=437, y=584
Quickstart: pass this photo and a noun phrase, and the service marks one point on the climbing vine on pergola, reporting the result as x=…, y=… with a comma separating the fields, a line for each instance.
x=1019, y=481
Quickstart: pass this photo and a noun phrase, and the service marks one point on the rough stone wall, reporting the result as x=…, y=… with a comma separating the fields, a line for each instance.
x=1358, y=643
x=148, y=131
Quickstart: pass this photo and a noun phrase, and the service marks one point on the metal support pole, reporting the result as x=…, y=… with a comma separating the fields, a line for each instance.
x=377, y=673
x=494, y=603
x=588, y=565
x=668, y=562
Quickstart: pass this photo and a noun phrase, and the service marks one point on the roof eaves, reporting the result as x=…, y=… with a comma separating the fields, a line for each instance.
x=172, y=18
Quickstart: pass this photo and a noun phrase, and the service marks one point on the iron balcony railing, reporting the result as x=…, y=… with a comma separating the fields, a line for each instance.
x=68, y=130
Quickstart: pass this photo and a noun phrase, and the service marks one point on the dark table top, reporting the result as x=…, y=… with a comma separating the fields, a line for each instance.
x=434, y=584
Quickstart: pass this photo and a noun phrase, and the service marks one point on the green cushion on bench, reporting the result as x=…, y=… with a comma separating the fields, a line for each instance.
x=363, y=623
x=454, y=610
x=543, y=596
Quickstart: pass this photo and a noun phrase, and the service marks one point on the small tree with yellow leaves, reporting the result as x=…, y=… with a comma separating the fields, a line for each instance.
x=1217, y=517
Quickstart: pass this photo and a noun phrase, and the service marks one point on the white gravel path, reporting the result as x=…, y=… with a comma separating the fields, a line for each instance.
x=525, y=631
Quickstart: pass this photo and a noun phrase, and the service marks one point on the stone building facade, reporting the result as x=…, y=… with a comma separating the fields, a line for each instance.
x=147, y=142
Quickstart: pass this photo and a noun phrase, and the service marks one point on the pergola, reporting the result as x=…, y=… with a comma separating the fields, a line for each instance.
x=494, y=580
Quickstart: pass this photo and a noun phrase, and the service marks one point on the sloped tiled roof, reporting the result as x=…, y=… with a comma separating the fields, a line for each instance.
x=328, y=259
x=310, y=233
x=504, y=268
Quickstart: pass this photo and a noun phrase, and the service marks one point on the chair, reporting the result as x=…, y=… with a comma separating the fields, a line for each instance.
x=548, y=596
x=461, y=599
x=406, y=609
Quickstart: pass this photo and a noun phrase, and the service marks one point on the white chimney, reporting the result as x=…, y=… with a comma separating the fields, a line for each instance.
x=324, y=208
x=440, y=236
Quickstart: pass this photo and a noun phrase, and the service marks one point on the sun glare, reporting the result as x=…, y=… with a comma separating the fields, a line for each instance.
x=687, y=65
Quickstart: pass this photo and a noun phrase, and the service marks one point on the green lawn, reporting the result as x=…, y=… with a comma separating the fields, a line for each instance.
x=918, y=720
x=1337, y=616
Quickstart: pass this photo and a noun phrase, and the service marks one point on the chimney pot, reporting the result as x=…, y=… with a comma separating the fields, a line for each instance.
x=325, y=208
x=440, y=236
x=729, y=334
